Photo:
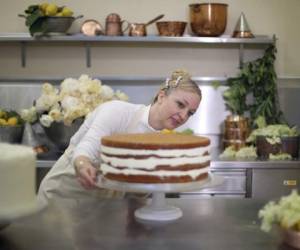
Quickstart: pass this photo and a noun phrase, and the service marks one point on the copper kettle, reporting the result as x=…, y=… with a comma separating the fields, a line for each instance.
x=114, y=25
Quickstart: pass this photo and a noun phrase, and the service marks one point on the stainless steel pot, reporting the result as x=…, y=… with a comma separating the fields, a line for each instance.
x=208, y=19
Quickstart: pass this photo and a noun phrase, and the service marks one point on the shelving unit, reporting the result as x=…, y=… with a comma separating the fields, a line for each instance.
x=25, y=38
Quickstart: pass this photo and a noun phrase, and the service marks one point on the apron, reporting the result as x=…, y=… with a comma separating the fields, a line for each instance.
x=61, y=180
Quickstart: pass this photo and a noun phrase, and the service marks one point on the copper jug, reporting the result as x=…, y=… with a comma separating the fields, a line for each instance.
x=114, y=25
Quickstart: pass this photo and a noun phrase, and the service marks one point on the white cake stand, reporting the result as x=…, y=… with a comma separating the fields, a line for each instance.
x=158, y=209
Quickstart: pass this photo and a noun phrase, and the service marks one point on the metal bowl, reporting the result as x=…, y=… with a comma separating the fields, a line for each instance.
x=55, y=24
x=60, y=134
x=11, y=134
x=171, y=28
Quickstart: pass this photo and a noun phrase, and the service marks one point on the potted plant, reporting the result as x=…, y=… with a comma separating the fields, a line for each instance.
x=62, y=110
x=285, y=214
x=254, y=91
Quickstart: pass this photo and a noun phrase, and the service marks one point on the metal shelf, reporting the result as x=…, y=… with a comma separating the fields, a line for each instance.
x=24, y=38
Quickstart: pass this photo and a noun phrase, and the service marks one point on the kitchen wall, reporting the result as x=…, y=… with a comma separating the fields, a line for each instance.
x=265, y=17
x=150, y=64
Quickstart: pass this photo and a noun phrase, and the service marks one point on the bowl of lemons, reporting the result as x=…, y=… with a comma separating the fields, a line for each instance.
x=48, y=19
x=11, y=127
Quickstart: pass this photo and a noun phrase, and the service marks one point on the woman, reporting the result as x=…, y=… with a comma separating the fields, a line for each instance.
x=175, y=102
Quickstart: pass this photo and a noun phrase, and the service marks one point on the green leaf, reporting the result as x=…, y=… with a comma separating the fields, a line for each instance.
x=37, y=26
x=31, y=19
x=31, y=9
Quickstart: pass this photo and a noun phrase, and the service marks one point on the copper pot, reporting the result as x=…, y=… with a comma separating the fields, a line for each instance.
x=208, y=19
x=139, y=29
x=171, y=28
x=289, y=145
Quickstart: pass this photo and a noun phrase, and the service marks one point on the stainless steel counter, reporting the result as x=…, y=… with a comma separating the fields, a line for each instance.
x=250, y=179
x=110, y=224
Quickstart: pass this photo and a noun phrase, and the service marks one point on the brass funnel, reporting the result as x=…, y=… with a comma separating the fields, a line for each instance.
x=242, y=29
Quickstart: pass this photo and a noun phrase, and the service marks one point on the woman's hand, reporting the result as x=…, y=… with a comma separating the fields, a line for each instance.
x=86, y=173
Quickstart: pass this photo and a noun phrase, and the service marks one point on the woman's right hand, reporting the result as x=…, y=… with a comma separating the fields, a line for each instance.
x=86, y=173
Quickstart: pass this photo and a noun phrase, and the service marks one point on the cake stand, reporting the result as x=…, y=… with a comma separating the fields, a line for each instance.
x=158, y=209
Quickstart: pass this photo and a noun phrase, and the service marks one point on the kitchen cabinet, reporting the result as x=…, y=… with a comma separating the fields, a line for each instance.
x=234, y=185
x=272, y=183
x=86, y=41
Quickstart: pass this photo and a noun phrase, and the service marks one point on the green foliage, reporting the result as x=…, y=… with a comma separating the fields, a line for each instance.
x=257, y=79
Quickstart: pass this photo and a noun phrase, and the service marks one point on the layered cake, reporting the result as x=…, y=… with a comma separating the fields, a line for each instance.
x=155, y=158
x=17, y=181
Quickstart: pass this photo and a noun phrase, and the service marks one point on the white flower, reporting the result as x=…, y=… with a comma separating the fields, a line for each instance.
x=69, y=86
x=76, y=98
x=69, y=102
x=56, y=115
x=107, y=92
x=49, y=89
x=46, y=120
x=45, y=102
x=29, y=115
x=285, y=213
x=121, y=96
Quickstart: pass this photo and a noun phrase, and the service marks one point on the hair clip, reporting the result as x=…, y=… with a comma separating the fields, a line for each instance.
x=167, y=83
x=179, y=78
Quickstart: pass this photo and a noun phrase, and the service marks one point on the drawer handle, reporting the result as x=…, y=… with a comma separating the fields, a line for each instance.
x=290, y=182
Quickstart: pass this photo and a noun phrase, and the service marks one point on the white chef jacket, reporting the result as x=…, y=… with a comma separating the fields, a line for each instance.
x=107, y=119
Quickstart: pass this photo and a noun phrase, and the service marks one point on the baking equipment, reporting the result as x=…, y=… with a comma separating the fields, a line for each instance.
x=158, y=210
x=171, y=28
x=114, y=25
x=139, y=29
x=242, y=29
x=208, y=19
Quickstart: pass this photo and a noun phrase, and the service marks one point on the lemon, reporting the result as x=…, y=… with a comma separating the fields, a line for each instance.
x=12, y=121
x=66, y=12
x=167, y=131
x=3, y=122
x=51, y=9
x=43, y=7
x=59, y=14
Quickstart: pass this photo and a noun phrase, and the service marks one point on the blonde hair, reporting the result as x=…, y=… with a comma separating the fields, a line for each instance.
x=180, y=79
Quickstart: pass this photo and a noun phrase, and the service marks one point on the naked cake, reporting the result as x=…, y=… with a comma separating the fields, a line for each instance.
x=17, y=180
x=155, y=158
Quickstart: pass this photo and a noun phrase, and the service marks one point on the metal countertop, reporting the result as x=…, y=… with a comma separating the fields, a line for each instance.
x=110, y=224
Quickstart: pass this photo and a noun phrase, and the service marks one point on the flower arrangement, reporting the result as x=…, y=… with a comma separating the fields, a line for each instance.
x=74, y=98
x=285, y=213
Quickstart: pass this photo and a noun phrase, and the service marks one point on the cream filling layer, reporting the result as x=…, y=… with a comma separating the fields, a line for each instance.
x=160, y=152
x=192, y=173
x=152, y=162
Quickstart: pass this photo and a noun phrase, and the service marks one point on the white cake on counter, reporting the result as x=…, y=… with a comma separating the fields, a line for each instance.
x=17, y=181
